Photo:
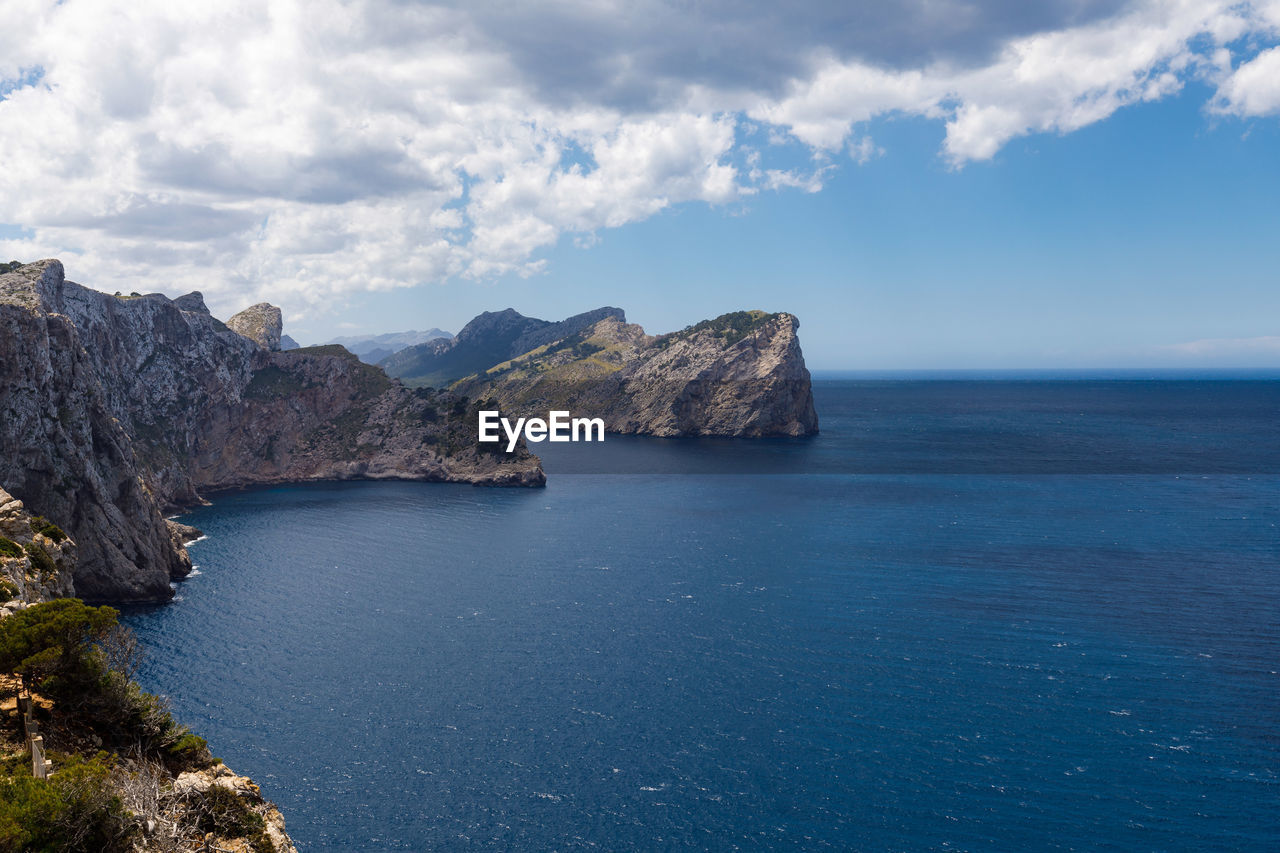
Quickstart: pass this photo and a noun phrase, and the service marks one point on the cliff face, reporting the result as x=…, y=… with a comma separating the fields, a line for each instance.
x=64, y=452
x=116, y=408
x=319, y=413
x=741, y=374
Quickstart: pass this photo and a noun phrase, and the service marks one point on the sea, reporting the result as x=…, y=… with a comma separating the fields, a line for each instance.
x=1017, y=611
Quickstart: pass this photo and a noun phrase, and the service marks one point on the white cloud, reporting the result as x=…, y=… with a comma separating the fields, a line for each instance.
x=1266, y=345
x=299, y=151
x=1056, y=81
x=1254, y=88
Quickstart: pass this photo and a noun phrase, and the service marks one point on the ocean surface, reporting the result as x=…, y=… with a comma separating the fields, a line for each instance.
x=973, y=614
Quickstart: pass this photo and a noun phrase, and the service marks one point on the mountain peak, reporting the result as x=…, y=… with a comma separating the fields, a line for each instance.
x=261, y=323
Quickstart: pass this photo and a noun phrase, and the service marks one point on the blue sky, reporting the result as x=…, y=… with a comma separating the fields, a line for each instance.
x=988, y=184
x=1103, y=247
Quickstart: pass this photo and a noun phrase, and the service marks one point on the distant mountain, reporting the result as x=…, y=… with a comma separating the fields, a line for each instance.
x=741, y=374
x=288, y=343
x=489, y=339
x=372, y=349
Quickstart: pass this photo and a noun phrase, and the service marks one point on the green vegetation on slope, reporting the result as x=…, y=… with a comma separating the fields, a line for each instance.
x=271, y=382
x=80, y=661
x=731, y=327
x=336, y=350
x=76, y=809
x=369, y=380
x=41, y=560
x=45, y=527
x=420, y=368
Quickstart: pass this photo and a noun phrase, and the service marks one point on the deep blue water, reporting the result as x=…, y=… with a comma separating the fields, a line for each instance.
x=917, y=635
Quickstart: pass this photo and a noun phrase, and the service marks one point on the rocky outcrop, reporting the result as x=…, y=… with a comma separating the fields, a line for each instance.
x=259, y=323
x=189, y=786
x=37, y=558
x=741, y=374
x=116, y=408
x=318, y=413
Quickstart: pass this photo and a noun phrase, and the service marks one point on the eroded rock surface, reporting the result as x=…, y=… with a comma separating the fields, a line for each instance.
x=741, y=374
x=115, y=409
x=261, y=323
x=37, y=558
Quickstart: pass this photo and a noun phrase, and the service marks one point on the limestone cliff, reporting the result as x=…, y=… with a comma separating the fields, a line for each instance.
x=116, y=408
x=261, y=323
x=741, y=374
x=64, y=452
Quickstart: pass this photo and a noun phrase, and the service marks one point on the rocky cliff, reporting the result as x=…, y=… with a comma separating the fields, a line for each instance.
x=741, y=374
x=116, y=408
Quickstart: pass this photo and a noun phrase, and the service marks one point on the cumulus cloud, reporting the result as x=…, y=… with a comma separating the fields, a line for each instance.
x=298, y=151
x=1253, y=88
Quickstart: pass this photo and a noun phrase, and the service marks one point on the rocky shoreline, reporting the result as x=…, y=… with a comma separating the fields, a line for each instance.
x=120, y=408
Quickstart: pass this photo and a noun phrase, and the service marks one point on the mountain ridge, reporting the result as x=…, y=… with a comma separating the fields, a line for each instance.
x=489, y=338
x=374, y=348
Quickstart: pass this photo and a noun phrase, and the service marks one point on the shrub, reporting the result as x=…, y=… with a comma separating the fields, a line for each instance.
x=29, y=809
x=76, y=809
x=42, y=525
x=220, y=810
x=8, y=589
x=9, y=548
x=79, y=657
x=191, y=750
x=730, y=328
x=41, y=560
x=50, y=645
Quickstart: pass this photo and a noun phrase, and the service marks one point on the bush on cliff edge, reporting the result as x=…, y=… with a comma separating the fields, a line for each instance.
x=84, y=661
x=76, y=809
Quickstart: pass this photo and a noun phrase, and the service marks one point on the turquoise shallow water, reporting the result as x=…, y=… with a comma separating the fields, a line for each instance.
x=811, y=659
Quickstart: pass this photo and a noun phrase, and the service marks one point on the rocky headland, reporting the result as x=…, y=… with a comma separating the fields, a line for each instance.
x=117, y=409
x=741, y=374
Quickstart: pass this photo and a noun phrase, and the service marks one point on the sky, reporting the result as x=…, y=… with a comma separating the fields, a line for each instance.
x=926, y=184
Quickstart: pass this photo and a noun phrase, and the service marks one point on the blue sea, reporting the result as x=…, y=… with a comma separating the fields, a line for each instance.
x=975, y=613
